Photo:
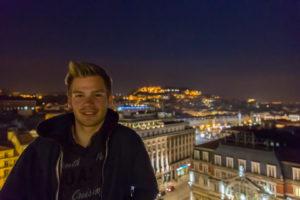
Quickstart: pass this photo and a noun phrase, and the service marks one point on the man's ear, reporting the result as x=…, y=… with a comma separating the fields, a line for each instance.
x=110, y=100
x=69, y=102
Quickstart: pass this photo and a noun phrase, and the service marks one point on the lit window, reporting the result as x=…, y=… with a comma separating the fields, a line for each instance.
x=196, y=179
x=205, y=155
x=218, y=174
x=205, y=182
x=196, y=154
x=296, y=174
x=271, y=171
x=242, y=163
x=271, y=187
x=196, y=167
x=217, y=160
x=297, y=191
x=229, y=162
x=255, y=167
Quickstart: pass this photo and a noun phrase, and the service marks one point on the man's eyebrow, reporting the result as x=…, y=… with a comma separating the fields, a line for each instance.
x=101, y=90
x=95, y=91
x=77, y=92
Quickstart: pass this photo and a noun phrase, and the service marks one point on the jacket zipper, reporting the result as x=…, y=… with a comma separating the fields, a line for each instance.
x=103, y=168
x=58, y=171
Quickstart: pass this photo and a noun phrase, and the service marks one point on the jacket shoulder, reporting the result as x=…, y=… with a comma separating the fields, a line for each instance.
x=126, y=135
x=42, y=144
x=121, y=129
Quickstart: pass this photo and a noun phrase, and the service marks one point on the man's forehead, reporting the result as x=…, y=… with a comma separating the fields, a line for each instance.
x=87, y=90
x=88, y=84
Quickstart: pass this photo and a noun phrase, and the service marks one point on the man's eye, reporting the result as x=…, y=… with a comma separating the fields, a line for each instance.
x=98, y=95
x=78, y=95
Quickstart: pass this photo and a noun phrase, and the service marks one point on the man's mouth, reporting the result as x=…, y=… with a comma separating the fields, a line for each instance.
x=89, y=113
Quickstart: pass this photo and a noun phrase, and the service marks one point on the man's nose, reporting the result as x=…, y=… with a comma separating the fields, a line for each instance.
x=88, y=101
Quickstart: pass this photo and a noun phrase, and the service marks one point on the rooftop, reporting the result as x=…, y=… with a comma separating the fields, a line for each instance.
x=213, y=145
x=5, y=145
x=25, y=138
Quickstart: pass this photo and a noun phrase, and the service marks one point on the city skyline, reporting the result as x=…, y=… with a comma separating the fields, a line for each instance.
x=238, y=49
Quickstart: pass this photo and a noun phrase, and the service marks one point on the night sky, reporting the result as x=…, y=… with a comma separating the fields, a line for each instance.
x=241, y=49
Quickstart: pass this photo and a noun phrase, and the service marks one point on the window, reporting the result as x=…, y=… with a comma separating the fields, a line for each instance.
x=255, y=168
x=196, y=167
x=205, y=169
x=242, y=162
x=205, y=182
x=216, y=187
x=271, y=187
x=6, y=172
x=223, y=175
x=271, y=171
x=196, y=154
x=229, y=162
x=297, y=191
x=205, y=155
x=218, y=174
x=296, y=174
x=217, y=160
x=196, y=179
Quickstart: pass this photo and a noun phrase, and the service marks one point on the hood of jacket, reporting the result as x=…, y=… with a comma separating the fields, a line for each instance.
x=56, y=128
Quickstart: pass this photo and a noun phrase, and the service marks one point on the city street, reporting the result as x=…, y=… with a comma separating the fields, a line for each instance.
x=181, y=192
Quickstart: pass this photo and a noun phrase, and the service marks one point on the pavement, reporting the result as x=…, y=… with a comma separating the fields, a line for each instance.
x=182, y=189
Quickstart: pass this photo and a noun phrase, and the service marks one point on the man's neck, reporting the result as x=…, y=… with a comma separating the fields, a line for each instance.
x=83, y=134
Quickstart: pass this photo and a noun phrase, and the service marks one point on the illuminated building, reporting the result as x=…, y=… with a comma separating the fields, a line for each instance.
x=11, y=148
x=251, y=100
x=24, y=107
x=8, y=157
x=169, y=143
x=246, y=165
x=213, y=120
x=158, y=93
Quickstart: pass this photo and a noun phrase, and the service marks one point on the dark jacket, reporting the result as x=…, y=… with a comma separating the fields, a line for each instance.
x=36, y=174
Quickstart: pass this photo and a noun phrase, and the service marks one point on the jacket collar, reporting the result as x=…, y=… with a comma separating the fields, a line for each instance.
x=56, y=128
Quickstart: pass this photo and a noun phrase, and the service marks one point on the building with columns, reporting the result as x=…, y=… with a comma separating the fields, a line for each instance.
x=169, y=143
x=246, y=165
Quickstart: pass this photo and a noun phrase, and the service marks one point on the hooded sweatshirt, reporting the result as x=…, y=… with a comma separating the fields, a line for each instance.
x=39, y=173
x=82, y=167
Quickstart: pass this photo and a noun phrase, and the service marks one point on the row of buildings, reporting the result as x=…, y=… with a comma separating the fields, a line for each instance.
x=169, y=143
x=12, y=144
x=248, y=164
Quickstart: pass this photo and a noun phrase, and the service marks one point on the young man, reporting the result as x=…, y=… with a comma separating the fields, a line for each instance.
x=85, y=154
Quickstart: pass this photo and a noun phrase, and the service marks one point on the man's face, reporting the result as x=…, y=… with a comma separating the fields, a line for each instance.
x=89, y=100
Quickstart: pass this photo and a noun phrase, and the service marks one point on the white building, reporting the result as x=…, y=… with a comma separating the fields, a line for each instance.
x=169, y=143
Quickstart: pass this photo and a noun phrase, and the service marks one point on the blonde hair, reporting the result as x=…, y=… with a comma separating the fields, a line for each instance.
x=81, y=70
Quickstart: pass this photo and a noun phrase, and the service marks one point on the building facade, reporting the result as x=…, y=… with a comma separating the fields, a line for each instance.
x=169, y=145
x=247, y=165
x=11, y=147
